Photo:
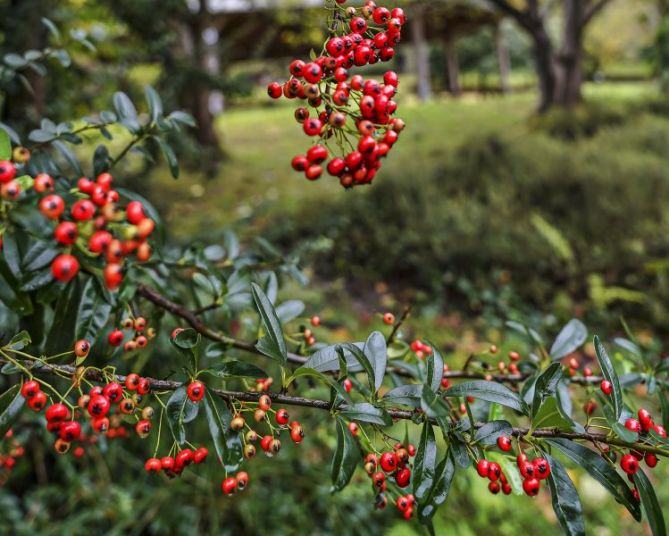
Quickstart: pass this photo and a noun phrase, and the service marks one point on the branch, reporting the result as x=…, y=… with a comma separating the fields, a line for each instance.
x=592, y=10
x=395, y=413
x=198, y=325
x=522, y=17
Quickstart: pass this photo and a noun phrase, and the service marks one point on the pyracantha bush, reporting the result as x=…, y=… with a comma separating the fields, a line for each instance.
x=351, y=118
x=75, y=350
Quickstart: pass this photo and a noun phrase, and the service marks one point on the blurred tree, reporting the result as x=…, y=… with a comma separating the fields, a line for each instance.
x=559, y=71
x=661, y=46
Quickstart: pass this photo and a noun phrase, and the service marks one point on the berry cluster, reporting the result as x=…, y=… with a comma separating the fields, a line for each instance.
x=10, y=451
x=356, y=112
x=174, y=465
x=420, y=349
x=103, y=406
x=533, y=472
x=141, y=334
x=393, y=463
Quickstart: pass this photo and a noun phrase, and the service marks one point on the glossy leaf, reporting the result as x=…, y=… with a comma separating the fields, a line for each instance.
x=546, y=386
x=186, y=339
x=154, y=102
x=327, y=359
x=124, y=106
x=424, y=463
x=93, y=311
x=435, y=368
x=551, y=415
x=439, y=492
x=366, y=412
x=601, y=471
x=237, y=369
x=227, y=442
x=179, y=410
x=289, y=310
x=11, y=403
x=609, y=372
x=362, y=359
x=488, y=391
x=376, y=351
x=20, y=340
x=566, y=502
x=490, y=431
x=408, y=395
x=650, y=504
x=345, y=458
x=570, y=339
x=272, y=344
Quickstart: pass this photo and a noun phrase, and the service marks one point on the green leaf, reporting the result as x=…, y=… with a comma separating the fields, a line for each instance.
x=425, y=463
x=69, y=156
x=433, y=405
x=289, y=310
x=237, y=369
x=490, y=431
x=187, y=339
x=93, y=311
x=124, y=106
x=527, y=331
x=51, y=27
x=272, y=344
x=439, y=492
x=566, y=503
x=11, y=403
x=179, y=410
x=61, y=334
x=510, y=469
x=488, y=391
x=329, y=381
x=345, y=458
x=170, y=156
x=435, y=368
x=570, y=338
x=366, y=412
x=20, y=340
x=601, y=471
x=327, y=360
x=551, y=415
x=183, y=118
x=362, y=359
x=651, y=505
x=227, y=442
x=154, y=102
x=627, y=435
x=610, y=374
x=546, y=385
x=408, y=395
x=5, y=145
x=376, y=351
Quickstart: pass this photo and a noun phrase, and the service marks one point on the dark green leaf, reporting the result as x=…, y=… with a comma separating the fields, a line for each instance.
x=627, y=435
x=488, y=391
x=439, y=492
x=571, y=337
x=546, y=385
x=566, y=503
x=170, y=156
x=425, y=463
x=124, y=106
x=345, y=458
x=179, y=410
x=20, y=340
x=435, y=368
x=328, y=380
x=154, y=102
x=651, y=505
x=601, y=471
x=551, y=415
x=237, y=369
x=362, y=359
x=490, y=431
x=366, y=412
x=5, y=145
x=93, y=311
x=187, y=339
x=227, y=442
x=327, y=359
x=408, y=395
x=289, y=310
x=272, y=344
x=610, y=374
x=61, y=334
x=11, y=403
x=376, y=352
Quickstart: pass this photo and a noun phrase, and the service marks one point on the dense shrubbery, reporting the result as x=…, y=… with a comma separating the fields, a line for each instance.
x=541, y=217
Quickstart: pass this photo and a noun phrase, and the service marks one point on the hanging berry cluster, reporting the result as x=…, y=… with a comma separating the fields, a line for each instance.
x=358, y=113
x=140, y=334
x=10, y=450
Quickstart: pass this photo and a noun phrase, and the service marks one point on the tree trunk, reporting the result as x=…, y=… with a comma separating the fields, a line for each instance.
x=452, y=68
x=503, y=60
x=568, y=64
x=544, y=64
x=422, y=54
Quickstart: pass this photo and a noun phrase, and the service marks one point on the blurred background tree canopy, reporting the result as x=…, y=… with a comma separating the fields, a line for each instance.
x=532, y=183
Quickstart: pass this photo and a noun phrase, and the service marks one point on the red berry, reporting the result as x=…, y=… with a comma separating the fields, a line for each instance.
x=494, y=487
x=64, y=268
x=629, y=464
x=113, y=391
x=153, y=465
x=242, y=479
x=483, y=468
x=135, y=212
x=113, y=276
x=195, y=391
x=348, y=385
x=37, y=402
x=82, y=348
x=57, y=413
x=388, y=462
x=606, y=387
x=282, y=417
x=494, y=471
x=504, y=443
x=98, y=406
x=542, y=469
x=317, y=154
x=29, y=389
x=83, y=210
x=116, y=337
x=7, y=171
x=403, y=477
x=70, y=431
x=229, y=485
x=531, y=486
x=52, y=206
x=66, y=233
x=312, y=126
x=633, y=425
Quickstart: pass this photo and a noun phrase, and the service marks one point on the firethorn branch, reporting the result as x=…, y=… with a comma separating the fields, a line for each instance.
x=395, y=413
x=191, y=317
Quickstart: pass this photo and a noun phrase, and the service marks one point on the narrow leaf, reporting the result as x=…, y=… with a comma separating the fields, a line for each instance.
x=566, y=503
x=345, y=458
x=425, y=463
x=651, y=506
x=272, y=344
x=609, y=372
x=488, y=391
x=11, y=403
x=570, y=338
